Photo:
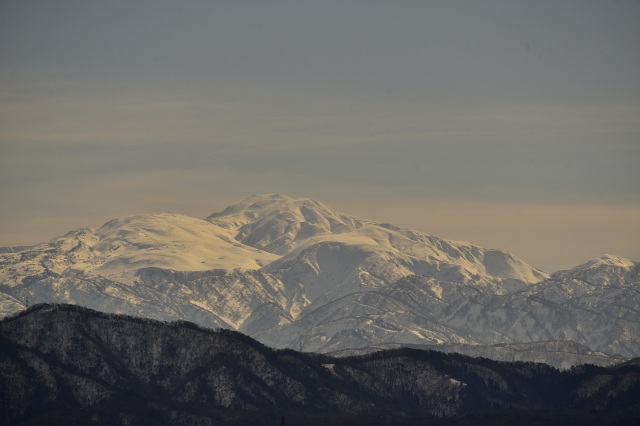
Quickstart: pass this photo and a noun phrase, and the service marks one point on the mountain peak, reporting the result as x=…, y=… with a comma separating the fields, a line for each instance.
x=257, y=204
x=607, y=260
x=274, y=222
x=269, y=196
x=296, y=273
x=297, y=228
x=614, y=260
x=608, y=269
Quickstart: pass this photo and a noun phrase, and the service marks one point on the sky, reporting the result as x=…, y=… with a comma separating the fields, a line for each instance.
x=511, y=124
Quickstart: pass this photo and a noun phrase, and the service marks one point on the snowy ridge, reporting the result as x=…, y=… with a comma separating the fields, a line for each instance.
x=298, y=229
x=119, y=248
x=294, y=273
x=279, y=224
x=608, y=270
x=171, y=241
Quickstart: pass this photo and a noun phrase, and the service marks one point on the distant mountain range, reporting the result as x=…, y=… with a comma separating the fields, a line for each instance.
x=293, y=273
x=64, y=364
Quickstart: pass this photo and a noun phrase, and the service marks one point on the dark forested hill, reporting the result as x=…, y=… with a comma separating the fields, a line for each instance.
x=63, y=364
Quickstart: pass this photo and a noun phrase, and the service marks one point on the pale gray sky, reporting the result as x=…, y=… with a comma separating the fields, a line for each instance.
x=512, y=124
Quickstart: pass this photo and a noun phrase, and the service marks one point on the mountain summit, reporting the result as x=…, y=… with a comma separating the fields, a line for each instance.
x=279, y=224
x=295, y=273
x=298, y=228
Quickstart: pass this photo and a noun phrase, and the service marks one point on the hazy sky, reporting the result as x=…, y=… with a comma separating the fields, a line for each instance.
x=511, y=124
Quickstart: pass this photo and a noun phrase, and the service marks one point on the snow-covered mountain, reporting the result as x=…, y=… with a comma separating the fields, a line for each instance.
x=294, y=273
x=306, y=231
x=120, y=247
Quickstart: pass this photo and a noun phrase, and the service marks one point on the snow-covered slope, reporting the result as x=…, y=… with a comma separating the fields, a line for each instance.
x=119, y=248
x=294, y=273
x=279, y=224
x=314, y=240
x=170, y=241
x=596, y=304
x=608, y=270
x=420, y=309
